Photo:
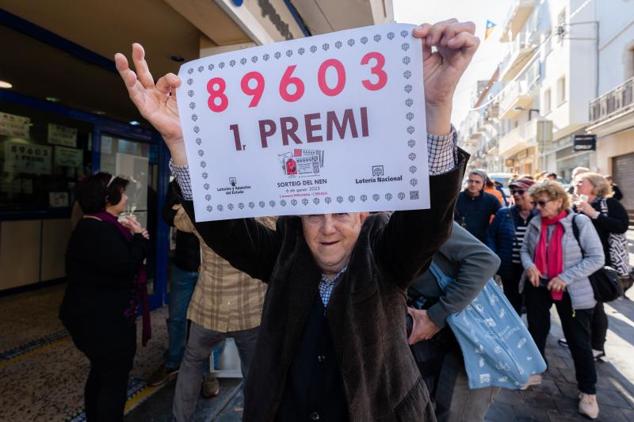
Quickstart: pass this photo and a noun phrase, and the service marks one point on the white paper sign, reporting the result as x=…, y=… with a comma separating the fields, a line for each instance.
x=27, y=158
x=331, y=123
x=14, y=126
x=62, y=135
x=69, y=157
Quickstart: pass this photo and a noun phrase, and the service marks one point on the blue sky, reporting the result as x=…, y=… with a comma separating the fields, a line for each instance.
x=478, y=11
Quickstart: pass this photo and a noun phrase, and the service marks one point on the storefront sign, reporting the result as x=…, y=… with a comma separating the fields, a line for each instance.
x=58, y=199
x=27, y=158
x=14, y=126
x=584, y=142
x=69, y=157
x=331, y=123
x=62, y=135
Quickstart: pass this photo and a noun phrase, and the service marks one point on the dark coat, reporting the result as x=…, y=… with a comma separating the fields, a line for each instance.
x=187, y=248
x=366, y=312
x=501, y=236
x=474, y=213
x=100, y=269
x=616, y=221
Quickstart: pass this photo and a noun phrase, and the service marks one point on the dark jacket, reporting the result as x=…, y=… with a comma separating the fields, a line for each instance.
x=365, y=313
x=618, y=194
x=501, y=236
x=187, y=248
x=465, y=259
x=616, y=221
x=474, y=213
x=100, y=269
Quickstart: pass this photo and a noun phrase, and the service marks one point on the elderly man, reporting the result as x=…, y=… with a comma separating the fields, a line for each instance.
x=475, y=208
x=332, y=344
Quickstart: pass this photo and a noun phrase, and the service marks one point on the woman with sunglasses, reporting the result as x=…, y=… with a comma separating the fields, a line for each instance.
x=506, y=235
x=103, y=267
x=557, y=269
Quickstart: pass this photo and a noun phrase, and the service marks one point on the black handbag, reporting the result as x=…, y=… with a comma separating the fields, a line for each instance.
x=605, y=282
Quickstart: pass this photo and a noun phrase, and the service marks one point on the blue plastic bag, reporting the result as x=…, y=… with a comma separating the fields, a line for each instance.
x=498, y=350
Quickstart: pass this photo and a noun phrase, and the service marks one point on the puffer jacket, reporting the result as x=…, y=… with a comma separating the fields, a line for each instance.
x=577, y=268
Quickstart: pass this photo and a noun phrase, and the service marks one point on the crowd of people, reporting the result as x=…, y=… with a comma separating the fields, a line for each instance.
x=315, y=303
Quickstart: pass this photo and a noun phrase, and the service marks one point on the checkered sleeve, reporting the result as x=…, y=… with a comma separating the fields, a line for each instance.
x=181, y=173
x=443, y=152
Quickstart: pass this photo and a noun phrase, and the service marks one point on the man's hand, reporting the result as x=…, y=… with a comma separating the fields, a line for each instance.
x=424, y=328
x=556, y=284
x=155, y=102
x=533, y=275
x=455, y=44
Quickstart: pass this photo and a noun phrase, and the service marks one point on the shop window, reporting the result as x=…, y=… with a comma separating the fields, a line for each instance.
x=41, y=159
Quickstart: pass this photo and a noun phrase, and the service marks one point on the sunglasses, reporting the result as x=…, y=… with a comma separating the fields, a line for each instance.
x=542, y=203
x=517, y=191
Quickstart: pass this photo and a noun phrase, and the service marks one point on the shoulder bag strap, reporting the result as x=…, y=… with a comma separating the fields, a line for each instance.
x=575, y=231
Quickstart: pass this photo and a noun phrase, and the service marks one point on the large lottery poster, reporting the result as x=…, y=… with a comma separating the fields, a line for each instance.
x=330, y=123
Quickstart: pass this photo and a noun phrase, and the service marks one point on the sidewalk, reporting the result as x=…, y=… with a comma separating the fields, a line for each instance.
x=556, y=398
x=553, y=401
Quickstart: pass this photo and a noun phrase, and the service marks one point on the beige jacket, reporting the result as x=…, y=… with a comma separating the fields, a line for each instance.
x=224, y=299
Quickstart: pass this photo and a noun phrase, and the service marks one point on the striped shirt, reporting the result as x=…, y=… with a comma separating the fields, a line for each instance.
x=520, y=231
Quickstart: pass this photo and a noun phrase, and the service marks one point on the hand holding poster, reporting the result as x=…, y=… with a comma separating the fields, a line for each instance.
x=331, y=123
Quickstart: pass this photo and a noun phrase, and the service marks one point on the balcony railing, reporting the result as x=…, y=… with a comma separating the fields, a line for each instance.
x=518, y=139
x=517, y=17
x=614, y=102
x=521, y=47
x=515, y=97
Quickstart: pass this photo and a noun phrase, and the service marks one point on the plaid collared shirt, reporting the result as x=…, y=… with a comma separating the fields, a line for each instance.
x=327, y=285
x=225, y=299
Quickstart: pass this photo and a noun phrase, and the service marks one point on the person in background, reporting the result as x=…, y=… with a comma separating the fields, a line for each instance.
x=470, y=263
x=573, y=177
x=551, y=176
x=506, y=235
x=226, y=303
x=475, y=208
x=556, y=271
x=186, y=261
x=616, y=191
x=608, y=216
x=491, y=188
x=104, y=272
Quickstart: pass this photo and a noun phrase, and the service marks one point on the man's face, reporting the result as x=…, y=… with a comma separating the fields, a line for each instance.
x=331, y=238
x=474, y=184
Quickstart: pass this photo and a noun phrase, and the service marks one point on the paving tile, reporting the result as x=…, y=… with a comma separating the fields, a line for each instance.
x=612, y=398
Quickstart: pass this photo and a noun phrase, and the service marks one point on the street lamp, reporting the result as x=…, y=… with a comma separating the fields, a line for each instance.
x=530, y=111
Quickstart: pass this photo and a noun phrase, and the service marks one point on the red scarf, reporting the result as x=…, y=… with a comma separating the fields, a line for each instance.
x=551, y=263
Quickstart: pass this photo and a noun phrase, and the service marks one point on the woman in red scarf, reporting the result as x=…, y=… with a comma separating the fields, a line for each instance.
x=557, y=269
x=106, y=280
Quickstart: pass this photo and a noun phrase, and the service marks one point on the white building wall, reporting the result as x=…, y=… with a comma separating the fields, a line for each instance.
x=616, y=41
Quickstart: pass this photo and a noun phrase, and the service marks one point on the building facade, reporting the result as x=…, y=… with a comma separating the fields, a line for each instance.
x=561, y=54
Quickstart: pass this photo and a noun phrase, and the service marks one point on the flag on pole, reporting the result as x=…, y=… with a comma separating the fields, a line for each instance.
x=489, y=29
